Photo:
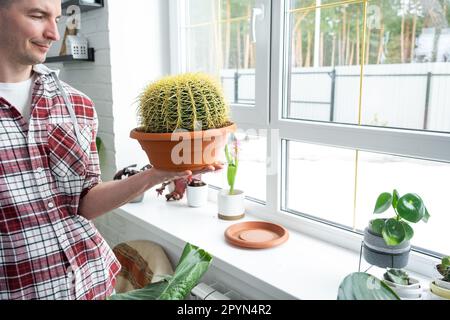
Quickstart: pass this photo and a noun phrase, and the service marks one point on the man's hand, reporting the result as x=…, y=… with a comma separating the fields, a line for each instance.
x=159, y=176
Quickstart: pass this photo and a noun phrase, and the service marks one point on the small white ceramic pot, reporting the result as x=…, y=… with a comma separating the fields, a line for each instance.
x=231, y=207
x=197, y=196
x=413, y=291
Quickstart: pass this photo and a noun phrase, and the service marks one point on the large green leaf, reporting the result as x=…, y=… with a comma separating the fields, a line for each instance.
x=409, y=232
x=228, y=155
x=395, y=197
x=194, y=262
x=384, y=201
x=393, y=232
x=377, y=226
x=363, y=286
x=231, y=176
x=150, y=292
x=410, y=207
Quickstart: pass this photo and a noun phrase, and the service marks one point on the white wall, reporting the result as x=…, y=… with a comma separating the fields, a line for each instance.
x=139, y=36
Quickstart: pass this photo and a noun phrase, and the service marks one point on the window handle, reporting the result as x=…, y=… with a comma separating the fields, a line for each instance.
x=257, y=12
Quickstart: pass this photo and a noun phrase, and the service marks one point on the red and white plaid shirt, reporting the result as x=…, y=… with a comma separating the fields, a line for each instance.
x=47, y=250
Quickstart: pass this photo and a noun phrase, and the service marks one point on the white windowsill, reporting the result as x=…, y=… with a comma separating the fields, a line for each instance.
x=302, y=268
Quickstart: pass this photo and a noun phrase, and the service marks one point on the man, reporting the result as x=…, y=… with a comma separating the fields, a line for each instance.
x=50, y=184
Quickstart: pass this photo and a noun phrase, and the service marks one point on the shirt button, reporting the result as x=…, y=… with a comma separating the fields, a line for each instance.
x=40, y=170
x=51, y=205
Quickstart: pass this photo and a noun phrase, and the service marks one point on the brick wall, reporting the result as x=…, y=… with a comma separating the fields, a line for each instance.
x=94, y=78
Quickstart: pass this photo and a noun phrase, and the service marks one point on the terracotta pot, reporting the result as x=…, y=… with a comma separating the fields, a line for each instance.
x=181, y=151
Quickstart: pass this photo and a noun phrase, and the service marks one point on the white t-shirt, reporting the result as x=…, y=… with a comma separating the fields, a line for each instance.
x=19, y=95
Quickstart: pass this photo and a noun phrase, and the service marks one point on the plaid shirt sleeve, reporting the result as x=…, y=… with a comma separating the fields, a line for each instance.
x=93, y=171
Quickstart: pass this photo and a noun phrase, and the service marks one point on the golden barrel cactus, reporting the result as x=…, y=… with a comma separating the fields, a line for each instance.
x=191, y=102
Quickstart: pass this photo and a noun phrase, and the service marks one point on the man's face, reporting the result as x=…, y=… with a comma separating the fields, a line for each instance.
x=27, y=30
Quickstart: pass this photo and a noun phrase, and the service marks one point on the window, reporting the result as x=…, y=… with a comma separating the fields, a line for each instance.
x=228, y=39
x=224, y=39
x=251, y=177
x=357, y=90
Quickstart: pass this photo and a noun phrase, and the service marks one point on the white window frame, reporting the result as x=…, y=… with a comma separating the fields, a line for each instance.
x=422, y=145
x=253, y=115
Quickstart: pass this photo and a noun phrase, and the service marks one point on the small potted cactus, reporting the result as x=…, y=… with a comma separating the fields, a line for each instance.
x=184, y=122
x=231, y=202
x=441, y=285
x=407, y=287
x=197, y=193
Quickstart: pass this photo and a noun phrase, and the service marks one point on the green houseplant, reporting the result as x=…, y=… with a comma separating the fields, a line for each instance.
x=403, y=284
x=444, y=268
x=231, y=202
x=184, y=122
x=441, y=285
x=193, y=264
x=387, y=240
x=233, y=164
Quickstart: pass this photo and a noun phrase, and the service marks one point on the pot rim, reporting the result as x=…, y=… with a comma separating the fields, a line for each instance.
x=381, y=236
x=415, y=284
x=197, y=187
x=226, y=193
x=382, y=247
x=190, y=135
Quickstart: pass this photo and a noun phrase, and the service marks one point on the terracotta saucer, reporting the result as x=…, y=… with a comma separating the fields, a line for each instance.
x=256, y=235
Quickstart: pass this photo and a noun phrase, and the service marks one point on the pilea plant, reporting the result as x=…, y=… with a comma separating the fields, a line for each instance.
x=408, y=209
x=191, y=102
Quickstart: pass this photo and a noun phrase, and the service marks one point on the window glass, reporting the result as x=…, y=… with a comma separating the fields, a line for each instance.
x=251, y=175
x=219, y=42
